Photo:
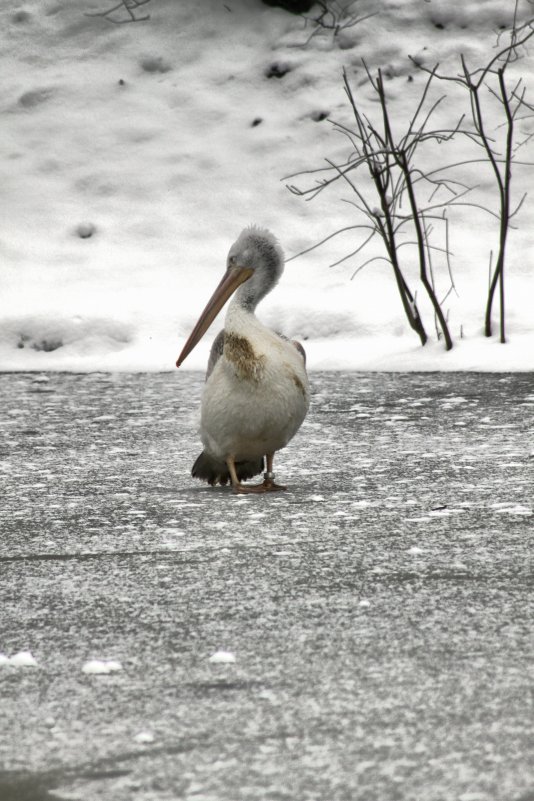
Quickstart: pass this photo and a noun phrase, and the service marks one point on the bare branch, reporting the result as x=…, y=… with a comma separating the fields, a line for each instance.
x=128, y=6
x=354, y=252
x=326, y=239
x=335, y=17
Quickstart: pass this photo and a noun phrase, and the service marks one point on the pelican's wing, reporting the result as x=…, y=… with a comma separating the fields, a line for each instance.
x=300, y=349
x=217, y=348
x=215, y=352
x=296, y=344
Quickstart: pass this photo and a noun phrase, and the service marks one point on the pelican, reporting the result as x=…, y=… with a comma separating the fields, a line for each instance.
x=256, y=393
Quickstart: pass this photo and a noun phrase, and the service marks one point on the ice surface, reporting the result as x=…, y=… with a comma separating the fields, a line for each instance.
x=436, y=661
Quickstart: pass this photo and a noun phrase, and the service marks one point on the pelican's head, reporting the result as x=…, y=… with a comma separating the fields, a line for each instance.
x=258, y=250
x=255, y=263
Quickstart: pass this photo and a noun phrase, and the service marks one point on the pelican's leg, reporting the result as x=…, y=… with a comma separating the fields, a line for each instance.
x=268, y=484
x=237, y=486
x=268, y=476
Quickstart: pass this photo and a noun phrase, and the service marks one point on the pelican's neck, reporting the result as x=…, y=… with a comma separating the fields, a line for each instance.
x=250, y=293
x=240, y=316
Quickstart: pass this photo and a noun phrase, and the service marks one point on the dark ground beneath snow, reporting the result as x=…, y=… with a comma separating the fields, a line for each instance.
x=379, y=611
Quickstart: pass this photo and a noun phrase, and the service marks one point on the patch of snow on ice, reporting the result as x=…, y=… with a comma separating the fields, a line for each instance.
x=222, y=658
x=144, y=738
x=513, y=509
x=101, y=666
x=23, y=659
x=444, y=512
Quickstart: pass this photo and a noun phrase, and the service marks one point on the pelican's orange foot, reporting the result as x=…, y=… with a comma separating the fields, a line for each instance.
x=270, y=486
x=266, y=486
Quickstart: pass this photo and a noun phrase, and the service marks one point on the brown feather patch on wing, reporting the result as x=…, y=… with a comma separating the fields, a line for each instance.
x=240, y=352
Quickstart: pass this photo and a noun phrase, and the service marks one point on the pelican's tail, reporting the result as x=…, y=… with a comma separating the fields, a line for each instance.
x=215, y=471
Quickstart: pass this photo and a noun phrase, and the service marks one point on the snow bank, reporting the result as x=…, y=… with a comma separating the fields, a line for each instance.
x=133, y=155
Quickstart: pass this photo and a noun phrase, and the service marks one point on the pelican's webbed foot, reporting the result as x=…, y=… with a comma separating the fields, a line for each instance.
x=268, y=481
x=267, y=485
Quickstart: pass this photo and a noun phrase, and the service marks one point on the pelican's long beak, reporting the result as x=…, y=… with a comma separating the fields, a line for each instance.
x=233, y=277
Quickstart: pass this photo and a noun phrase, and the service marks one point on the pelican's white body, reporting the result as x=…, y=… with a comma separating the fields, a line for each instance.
x=253, y=408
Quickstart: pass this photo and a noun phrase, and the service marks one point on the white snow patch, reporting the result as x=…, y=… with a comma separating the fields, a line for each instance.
x=270, y=696
x=101, y=666
x=23, y=659
x=135, y=154
x=222, y=658
x=444, y=512
x=144, y=738
x=513, y=509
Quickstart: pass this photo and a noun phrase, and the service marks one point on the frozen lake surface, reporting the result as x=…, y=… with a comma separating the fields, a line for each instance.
x=365, y=636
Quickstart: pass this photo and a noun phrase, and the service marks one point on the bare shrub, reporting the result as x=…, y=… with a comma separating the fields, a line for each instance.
x=486, y=84
x=393, y=205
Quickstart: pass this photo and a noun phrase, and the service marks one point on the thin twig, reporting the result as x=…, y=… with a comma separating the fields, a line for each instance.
x=129, y=6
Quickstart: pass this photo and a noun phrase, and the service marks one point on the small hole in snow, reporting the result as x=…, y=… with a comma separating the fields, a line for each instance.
x=47, y=345
x=319, y=116
x=21, y=16
x=86, y=230
x=277, y=70
x=155, y=64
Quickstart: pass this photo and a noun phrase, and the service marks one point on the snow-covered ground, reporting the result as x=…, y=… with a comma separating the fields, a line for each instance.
x=133, y=155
